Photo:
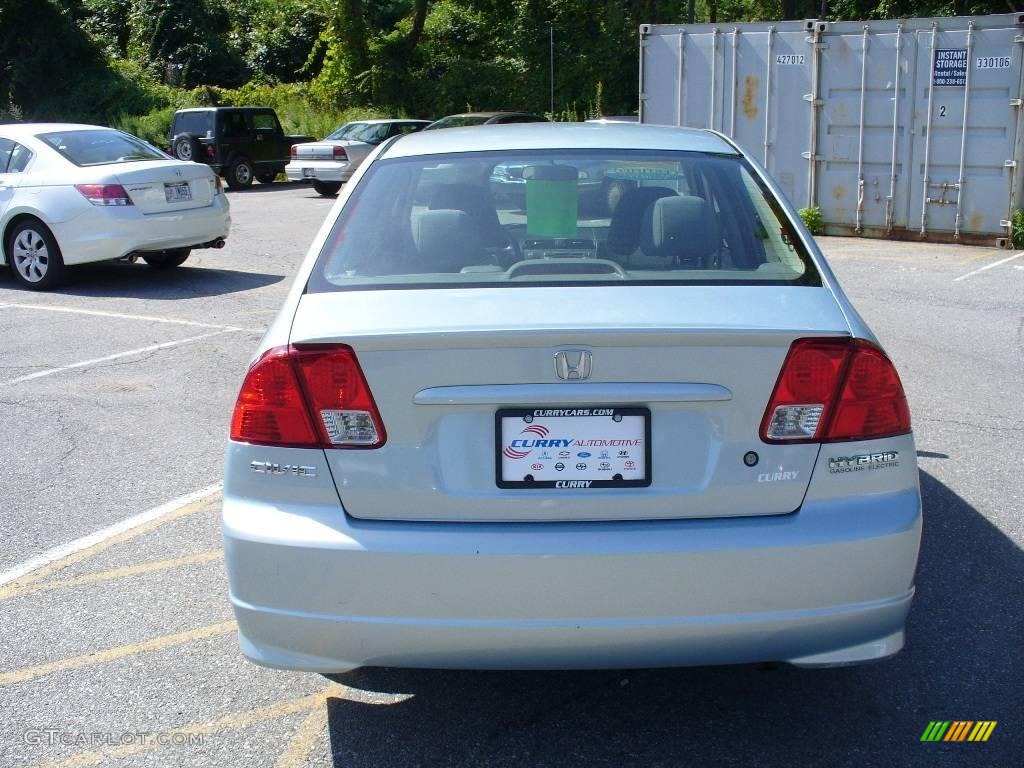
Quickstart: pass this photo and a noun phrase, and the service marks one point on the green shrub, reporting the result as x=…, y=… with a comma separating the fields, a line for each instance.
x=1017, y=234
x=812, y=219
x=153, y=127
x=297, y=109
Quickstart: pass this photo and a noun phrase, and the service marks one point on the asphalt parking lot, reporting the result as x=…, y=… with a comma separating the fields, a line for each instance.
x=120, y=650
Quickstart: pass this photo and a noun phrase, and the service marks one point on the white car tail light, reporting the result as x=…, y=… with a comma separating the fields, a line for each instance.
x=310, y=396
x=340, y=153
x=832, y=390
x=104, y=194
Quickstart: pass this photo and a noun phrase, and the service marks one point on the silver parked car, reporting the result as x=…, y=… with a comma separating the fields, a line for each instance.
x=466, y=119
x=483, y=435
x=331, y=162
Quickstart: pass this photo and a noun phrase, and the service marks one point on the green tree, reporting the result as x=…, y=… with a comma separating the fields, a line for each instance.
x=183, y=42
x=107, y=21
x=278, y=41
x=50, y=69
x=369, y=46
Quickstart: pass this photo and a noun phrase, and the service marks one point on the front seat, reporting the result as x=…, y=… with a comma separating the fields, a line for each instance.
x=477, y=203
x=681, y=230
x=624, y=227
x=446, y=241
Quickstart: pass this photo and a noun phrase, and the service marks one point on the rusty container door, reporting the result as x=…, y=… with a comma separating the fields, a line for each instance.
x=901, y=129
x=965, y=145
x=752, y=82
x=864, y=129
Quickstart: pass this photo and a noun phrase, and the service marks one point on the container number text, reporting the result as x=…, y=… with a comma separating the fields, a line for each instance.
x=789, y=58
x=993, y=62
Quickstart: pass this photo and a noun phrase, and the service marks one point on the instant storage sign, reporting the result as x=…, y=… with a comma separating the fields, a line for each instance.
x=950, y=67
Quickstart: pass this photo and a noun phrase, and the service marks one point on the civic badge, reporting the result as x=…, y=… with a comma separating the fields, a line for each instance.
x=573, y=364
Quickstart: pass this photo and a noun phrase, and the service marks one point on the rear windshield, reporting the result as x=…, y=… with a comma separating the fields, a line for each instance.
x=560, y=218
x=371, y=133
x=459, y=121
x=344, y=131
x=198, y=123
x=101, y=147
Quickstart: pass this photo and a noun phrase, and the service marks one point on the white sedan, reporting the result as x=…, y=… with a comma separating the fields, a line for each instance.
x=331, y=162
x=494, y=434
x=73, y=194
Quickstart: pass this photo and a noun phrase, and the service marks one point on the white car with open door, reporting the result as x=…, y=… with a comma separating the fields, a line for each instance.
x=73, y=194
x=486, y=435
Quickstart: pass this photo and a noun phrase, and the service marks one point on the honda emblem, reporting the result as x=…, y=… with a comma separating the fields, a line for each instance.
x=573, y=364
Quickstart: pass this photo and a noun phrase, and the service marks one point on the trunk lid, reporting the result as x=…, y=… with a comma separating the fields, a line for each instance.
x=441, y=363
x=167, y=186
x=324, y=150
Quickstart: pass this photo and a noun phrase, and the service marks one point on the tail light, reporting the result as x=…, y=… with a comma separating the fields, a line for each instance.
x=294, y=151
x=311, y=396
x=340, y=153
x=218, y=185
x=211, y=150
x=832, y=390
x=104, y=194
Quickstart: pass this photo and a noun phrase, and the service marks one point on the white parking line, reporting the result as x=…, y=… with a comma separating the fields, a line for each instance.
x=58, y=553
x=95, y=360
x=122, y=316
x=989, y=266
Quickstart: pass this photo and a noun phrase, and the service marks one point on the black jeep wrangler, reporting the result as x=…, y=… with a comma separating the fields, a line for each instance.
x=239, y=143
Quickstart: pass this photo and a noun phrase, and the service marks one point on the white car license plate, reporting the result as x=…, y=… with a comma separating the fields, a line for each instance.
x=175, y=193
x=575, y=448
x=309, y=173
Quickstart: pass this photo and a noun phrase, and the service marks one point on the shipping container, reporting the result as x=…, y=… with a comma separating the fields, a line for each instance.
x=904, y=129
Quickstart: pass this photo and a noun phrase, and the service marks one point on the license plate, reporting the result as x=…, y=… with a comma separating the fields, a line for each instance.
x=309, y=173
x=175, y=193
x=573, y=448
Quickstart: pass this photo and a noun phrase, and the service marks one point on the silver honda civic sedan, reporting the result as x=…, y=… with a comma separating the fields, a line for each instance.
x=541, y=434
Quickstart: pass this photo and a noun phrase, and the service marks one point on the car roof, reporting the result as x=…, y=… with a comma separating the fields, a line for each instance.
x=379, y=120
x=488, y=114
x=15, y=130
x=531, y=136
x=615, y=119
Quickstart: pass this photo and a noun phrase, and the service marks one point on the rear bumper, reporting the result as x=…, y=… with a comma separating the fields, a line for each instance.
x=315, y=590
x=102, y=234
x=321, y=170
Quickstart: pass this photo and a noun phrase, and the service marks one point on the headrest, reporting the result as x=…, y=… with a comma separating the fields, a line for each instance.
x=462, y=197
x=681, y=228
x=624, y=228
x=446, y=240
x=475, y=201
